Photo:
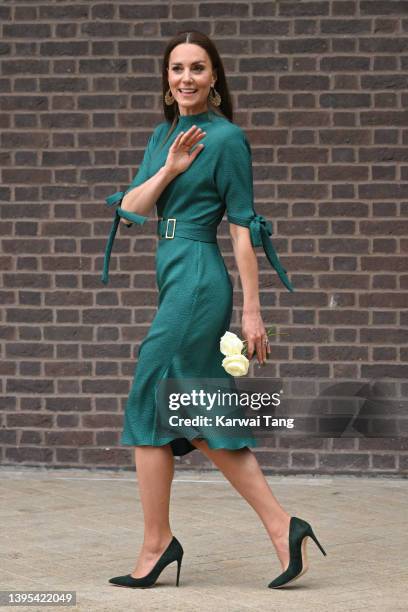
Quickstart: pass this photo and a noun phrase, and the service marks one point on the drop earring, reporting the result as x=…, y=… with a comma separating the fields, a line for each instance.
x=214, y=97
x=168, y=98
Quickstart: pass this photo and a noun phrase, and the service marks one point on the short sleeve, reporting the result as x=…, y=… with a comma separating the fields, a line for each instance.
x=143, y=172
x=234, y=182
x=233, y=176
x=115, y=199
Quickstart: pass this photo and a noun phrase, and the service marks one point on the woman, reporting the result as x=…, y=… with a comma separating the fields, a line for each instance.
x=192, y=189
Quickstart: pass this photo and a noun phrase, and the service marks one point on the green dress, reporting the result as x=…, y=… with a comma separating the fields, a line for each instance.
x=195, y=290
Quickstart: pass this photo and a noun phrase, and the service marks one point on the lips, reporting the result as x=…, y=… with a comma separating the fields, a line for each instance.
x=187, y=93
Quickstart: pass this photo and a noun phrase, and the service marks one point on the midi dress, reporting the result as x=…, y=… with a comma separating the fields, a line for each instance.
x=195, y=290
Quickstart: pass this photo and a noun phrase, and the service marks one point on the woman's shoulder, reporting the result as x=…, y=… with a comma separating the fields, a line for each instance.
x=231, y=140
x=159, y=128
x=225, y=129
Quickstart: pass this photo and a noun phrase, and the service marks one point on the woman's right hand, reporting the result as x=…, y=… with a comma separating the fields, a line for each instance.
x=179, y=158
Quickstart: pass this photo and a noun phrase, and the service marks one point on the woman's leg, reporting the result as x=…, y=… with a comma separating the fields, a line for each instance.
x=242, y=469
x=155, y=470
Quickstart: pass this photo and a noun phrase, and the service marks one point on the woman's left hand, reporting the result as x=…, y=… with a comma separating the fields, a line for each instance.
x=254, y=332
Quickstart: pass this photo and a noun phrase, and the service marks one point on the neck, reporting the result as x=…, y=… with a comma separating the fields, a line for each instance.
x=186, y=121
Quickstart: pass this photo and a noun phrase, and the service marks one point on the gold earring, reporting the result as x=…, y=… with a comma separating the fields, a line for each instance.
x=215, y=97
x=168, y=98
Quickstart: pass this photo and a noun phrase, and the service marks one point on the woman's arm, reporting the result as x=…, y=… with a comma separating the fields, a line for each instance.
x=141, y=199
x=253, y=328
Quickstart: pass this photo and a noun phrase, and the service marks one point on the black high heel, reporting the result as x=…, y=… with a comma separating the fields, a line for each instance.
x=299, y=531
x=174, y=552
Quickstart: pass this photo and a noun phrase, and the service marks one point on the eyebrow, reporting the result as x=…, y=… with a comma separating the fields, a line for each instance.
x=192, y=63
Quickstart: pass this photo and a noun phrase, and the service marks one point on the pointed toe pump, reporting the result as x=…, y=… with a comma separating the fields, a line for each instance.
x=299, y=531
x=174, y=552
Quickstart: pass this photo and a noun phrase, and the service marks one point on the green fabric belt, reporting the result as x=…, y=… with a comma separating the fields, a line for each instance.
x=173, y=227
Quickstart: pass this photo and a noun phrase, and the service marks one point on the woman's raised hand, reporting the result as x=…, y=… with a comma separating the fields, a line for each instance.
x=179, y=157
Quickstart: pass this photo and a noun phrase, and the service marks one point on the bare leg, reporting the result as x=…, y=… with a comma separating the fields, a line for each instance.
x=155, y=471
x=242, y=469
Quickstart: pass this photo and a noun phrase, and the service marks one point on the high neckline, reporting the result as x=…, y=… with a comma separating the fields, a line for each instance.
x=186, y=121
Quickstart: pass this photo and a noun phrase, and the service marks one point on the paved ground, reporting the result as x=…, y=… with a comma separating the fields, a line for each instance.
x=74, y=529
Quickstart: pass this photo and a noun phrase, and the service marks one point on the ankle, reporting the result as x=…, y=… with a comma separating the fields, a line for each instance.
x=156, y=544
x=279, y=528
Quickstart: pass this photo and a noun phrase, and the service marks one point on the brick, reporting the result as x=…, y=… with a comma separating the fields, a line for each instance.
x=69, y=456
x=61, y=404
x=303, y=460
x=345, y=26
x=345, y=63
x=29, y=420
x=344, y=7
x=304, y=82
x=111, y=457
x=344, y=281
x=392, y=370
x=341, y=245
x=303, y=45
x=69, y=438
x=29, y=455
x=303, y=9
x=67, y=420
x=345, y=335
x=342, y=353
x=385, y=264
x=303, y=370
x=383, y=191
x=272, y=458
x=346, y=461
x=342, y=100
x=383, y=353
x=27, y=30
x=343, y=173
x=263, y=27
x=107, y=438
x=384, y=462
x=383, y=7
x=31, y=437
x=8, y=436
x=378, y=444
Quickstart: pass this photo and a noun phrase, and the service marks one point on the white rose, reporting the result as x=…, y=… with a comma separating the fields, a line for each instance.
x=230, y=344
x=236, y=365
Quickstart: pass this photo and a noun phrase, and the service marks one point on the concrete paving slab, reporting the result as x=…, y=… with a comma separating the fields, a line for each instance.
x=74, y=529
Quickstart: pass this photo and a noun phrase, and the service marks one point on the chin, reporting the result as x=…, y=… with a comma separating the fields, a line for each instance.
x=191, y=104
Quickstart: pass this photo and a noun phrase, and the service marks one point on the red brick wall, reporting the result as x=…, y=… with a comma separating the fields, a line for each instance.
x=321, y=90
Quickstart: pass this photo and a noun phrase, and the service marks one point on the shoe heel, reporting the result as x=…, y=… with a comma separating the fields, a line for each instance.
x=312, y=535
x=178, y=569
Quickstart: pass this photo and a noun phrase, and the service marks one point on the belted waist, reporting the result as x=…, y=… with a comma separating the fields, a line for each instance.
x=171, y=227
x=260, y=231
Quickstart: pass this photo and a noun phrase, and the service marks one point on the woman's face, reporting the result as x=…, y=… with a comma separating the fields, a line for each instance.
x=190, y=68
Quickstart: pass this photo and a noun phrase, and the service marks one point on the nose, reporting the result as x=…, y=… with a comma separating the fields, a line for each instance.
x=186, y=77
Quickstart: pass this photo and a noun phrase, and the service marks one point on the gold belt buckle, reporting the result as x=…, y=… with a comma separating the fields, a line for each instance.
x=173, y=228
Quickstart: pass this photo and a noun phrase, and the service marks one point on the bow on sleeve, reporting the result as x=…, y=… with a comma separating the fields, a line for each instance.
x=260, y=229
x=116, y=198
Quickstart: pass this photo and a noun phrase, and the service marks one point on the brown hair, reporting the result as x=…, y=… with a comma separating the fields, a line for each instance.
x=198, y=38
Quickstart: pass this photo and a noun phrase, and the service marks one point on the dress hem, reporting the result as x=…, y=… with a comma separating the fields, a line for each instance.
x=253, y=443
